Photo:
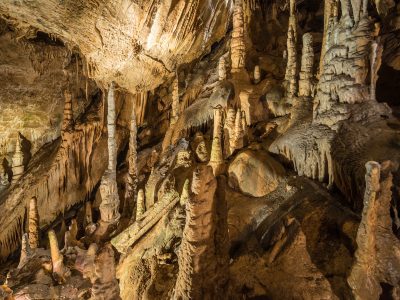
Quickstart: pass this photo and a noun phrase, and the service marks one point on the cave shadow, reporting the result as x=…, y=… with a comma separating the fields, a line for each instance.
x=26, y=147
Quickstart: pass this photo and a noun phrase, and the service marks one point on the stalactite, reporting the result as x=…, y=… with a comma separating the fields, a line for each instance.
x=108, y=188
x=60, y=272
x=307, y=63
x=218, y=122
x=17, y=161
x=33, y=223
x=229, y=131
x=238, y=47
x=131, y=179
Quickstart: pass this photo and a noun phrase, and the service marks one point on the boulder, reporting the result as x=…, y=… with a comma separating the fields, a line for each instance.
x=255, y=173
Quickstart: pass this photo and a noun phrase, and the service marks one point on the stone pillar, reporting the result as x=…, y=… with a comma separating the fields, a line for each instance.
x=218, y=122
x=238, y=47
x=17, y=161
x=131, y=179
x=307, y=65
x=33, y=224
x=216, y=159
x=108, y=187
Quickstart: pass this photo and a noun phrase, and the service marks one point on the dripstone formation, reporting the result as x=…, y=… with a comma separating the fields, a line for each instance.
x=208, y=149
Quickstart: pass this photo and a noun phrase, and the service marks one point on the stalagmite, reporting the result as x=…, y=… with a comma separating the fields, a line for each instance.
x=237, y=138
x=376, y=61
x=199, y=147
x=68, y=113
x=221, y=69
x=175, y=101
x=307, y=63
x=229, y=131
x=218, y=122
x=185, y=195
x=17, y=161
x=108, y=188
x=377, y=258
x=291, y=67
x=140, y=204
x=25, y=251
x=33, y=223
x=238, y=47
x=60, y=272
x=197, y=254
x=216, y=157
x=257, y=74
x=131, y=179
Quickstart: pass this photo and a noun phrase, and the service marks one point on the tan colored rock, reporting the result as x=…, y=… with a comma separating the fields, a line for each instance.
x=17, y=161
x=33, y=224
x=255, y=173
x=60, y=272
x=175, y=110
x=238, y=47
x=140, y=204
x=216, y=157
x=199, y=147
x=68, y=113
x=306, y=84
x=221, y=69
x=109, y=207
x=377, y=258
x=185, y=195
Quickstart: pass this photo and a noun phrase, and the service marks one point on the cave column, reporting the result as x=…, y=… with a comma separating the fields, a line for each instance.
x=33, y=224
x=108, y=187
x=307, y=64
x=17, y=161
x=238, y=47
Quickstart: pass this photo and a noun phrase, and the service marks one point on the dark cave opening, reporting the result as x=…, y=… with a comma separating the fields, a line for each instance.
x=387, y=88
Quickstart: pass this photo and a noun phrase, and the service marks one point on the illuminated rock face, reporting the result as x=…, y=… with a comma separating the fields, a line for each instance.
x=124, y=37
x=201, y=164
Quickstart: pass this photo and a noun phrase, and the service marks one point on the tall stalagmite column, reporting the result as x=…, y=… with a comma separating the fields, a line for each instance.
x=17, y=161
x=131, y=182
x=307, y=65
x=108, y=188
x=33, y=224
x=376, y=61
x=196, y=257
x=238, y=47
x=291, y=67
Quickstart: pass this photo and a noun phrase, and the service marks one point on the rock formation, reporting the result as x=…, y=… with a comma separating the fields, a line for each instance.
x=33, y=224
x=278, y=180
x=108, y=189
x=60, y=271
x=17, y=161
x=238, y=47
x=306, y=82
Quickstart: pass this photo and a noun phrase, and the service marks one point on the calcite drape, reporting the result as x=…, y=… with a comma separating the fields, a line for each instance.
x=108, y=188
x=238, y=47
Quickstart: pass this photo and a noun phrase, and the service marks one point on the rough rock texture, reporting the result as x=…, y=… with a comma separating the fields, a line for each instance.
x=119, y=38
x=255, y=173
